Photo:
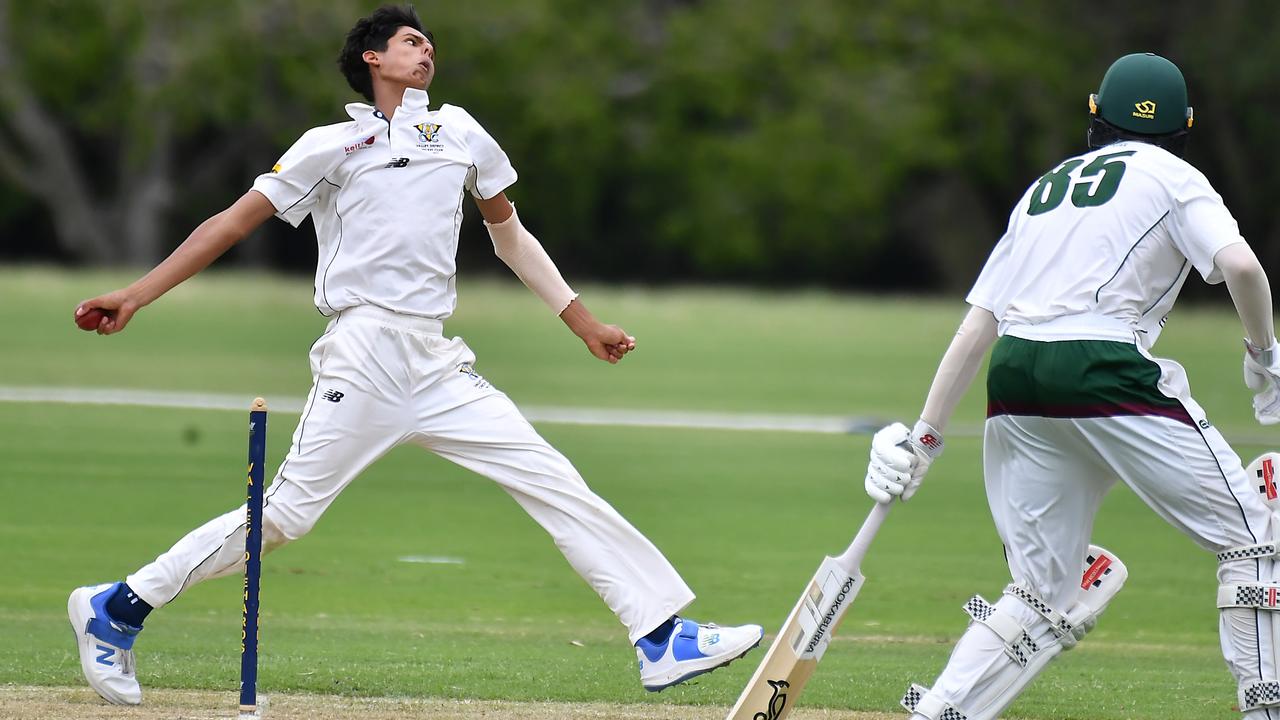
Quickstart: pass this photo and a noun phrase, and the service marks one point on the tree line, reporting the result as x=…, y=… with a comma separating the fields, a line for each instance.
x=841, y=143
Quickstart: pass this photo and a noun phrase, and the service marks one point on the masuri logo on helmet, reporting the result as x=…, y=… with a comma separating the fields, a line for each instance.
x=1145, y=110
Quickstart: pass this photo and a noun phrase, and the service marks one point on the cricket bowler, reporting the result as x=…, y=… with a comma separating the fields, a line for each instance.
x=385, y=192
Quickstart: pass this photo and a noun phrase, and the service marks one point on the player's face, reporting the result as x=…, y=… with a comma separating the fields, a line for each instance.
x=410, y=59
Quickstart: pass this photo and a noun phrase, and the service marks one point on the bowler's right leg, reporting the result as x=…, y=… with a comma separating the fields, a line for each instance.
x=347, y=424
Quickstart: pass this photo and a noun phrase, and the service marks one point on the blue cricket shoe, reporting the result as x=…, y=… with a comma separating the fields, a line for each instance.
x=106, y=645
x=691, y=650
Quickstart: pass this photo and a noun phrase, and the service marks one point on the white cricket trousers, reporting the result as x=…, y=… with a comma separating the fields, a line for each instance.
x=1047, y=473
x=381, y=379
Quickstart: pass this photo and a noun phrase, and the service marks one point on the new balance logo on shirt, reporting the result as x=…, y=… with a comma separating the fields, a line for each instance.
x=333, y=396
x=470, y=372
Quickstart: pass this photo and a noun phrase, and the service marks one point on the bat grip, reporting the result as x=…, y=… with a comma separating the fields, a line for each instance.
x=851, y=558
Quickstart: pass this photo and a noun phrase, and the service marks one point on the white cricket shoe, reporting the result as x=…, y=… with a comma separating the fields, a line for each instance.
x=691, y=650
x=106, y=646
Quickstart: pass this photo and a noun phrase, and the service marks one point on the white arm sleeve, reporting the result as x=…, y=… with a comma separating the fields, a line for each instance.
x=959, y=366
x=1250, y=291
x=525, y=256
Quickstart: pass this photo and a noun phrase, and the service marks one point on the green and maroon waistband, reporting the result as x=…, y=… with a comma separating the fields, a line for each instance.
x=1076, y=379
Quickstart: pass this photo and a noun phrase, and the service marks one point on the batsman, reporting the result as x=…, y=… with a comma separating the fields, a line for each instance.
x=1073, y=298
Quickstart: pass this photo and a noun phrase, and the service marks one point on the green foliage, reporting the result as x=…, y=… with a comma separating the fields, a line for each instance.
x=106, y=68
x=856, y=143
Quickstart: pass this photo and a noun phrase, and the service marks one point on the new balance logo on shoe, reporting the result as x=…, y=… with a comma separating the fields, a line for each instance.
x=107, y=654
x=333, y=396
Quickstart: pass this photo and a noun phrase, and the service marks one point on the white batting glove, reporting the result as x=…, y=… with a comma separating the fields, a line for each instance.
x=1262, y=376
x=889, y=471
x=899, y=460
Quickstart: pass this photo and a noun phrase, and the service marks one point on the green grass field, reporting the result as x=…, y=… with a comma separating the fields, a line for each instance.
x=93, y=492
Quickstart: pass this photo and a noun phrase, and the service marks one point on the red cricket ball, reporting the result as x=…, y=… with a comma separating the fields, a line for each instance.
x=90, y=319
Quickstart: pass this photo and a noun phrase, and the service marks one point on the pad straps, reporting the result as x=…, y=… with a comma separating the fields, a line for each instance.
x=918, y=700
x=1018, y=644
x=1058, y=623
x=1256, y=596
x=1259, y=694
x=1249, y=552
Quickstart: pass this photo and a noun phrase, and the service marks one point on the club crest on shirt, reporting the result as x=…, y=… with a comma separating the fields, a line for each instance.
x=429, y=136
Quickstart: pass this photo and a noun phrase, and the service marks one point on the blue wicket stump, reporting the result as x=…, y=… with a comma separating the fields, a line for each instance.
x=252, y=559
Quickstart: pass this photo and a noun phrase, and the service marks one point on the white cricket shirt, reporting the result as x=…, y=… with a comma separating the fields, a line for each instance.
x=386, y=200
x=1099, y=247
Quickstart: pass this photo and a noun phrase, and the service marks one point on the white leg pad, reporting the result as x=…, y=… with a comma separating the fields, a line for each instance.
x=1030, y=634
x=1249, y=600
x=1262, y=692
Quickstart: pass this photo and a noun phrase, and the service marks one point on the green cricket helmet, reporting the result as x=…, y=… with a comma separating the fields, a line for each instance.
x=1143, y=97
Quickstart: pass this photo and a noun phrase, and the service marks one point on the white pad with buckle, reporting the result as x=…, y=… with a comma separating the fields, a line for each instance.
x=1249, y=600
x=1030, y=640
x=1018, y=644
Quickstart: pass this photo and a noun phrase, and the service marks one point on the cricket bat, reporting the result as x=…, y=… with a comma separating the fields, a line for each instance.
x=800, y=644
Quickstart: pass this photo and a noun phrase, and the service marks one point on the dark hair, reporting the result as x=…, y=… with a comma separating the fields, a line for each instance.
x=1102, y=133
x=372, y=33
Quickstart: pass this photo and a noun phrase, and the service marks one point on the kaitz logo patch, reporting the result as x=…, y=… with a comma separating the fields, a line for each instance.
x=348, y=149
x=1145, y=110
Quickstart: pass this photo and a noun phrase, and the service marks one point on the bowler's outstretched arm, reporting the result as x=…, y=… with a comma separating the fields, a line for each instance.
x=204, y=245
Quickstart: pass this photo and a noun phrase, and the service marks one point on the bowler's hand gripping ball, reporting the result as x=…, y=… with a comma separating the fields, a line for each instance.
x=90, y=319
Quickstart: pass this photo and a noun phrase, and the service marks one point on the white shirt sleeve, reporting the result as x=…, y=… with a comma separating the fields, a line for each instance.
x=989, y=291
x=491, y=169
x=988, y=288
x=1201, y=224
x=293, y=185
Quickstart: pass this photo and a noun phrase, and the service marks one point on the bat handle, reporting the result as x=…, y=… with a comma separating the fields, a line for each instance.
x=852, y=557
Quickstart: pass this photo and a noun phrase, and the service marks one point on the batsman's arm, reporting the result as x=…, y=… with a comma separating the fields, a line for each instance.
x=1250, y=291
x=959, y=365
x=204, y=245
x=900, y=457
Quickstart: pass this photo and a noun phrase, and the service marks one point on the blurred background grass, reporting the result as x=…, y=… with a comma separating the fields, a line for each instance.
x=94, y=492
